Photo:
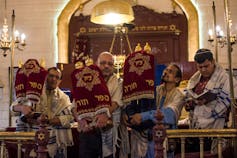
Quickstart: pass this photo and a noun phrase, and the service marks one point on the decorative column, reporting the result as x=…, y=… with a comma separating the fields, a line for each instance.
x=42, y=137
x=159, y=135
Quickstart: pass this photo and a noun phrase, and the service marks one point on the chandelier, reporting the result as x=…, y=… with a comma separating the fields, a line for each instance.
x=119, y=59
x=220, y=38
x=7, y=41
x=217, y=35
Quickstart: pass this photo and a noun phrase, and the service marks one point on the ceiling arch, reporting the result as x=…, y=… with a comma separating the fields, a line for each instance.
x=64, y=18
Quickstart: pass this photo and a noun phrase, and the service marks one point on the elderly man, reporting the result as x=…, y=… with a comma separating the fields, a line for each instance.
x=55, y=104
x=109, y=136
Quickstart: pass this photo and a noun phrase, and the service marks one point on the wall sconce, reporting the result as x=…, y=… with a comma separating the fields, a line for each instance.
x=221, y=39
x=12, y=38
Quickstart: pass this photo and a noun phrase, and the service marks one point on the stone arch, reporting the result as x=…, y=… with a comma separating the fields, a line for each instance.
x=193, y=26
x=64, y=18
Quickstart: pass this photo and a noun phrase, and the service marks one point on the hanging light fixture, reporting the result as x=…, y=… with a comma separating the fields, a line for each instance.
x=112, y=12
x=7, y=40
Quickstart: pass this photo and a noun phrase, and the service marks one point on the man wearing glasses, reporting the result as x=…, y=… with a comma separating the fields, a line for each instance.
x=55, y=104
x=105, y=62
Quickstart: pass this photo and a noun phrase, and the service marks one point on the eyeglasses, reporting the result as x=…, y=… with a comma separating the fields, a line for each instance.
x=52, y=76
x=106, y=62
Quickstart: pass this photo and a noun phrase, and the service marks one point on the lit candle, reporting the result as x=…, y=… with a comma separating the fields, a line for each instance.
x=218, y=29
x=17, y=36
x=210, y=33
x=20, y=63
x=23, y=37
x=115, y=58
x=221, y=33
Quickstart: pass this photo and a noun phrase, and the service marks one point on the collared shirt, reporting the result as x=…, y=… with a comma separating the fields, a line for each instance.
x=212, y=114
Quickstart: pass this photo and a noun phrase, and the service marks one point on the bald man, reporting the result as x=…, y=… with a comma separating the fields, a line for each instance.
x=105, y=62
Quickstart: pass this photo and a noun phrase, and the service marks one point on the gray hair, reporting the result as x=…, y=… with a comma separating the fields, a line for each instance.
x=105, y=53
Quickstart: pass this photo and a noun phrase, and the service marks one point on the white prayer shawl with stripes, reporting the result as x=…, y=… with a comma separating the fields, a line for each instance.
x=110, y=137
x=212, y=114
x=57, y=104
x=174, y=99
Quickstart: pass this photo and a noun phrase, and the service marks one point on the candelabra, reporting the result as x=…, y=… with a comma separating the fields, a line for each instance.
x=220, y=38
x=119, y=63
x=6, y=41
x=119, y=59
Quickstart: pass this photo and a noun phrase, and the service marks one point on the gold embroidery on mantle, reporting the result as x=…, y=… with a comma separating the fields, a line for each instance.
x=88, y=78
x=139, y=64
x=30, y=67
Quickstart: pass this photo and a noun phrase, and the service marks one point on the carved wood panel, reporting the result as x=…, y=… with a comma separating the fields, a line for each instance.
x=165, y=32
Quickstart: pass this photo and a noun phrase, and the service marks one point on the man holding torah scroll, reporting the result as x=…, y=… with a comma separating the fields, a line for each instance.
x=46, y=99
x=91, y=107
x=139, y=97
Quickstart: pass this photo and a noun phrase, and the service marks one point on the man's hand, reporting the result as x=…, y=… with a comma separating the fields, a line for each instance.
x=83, y=126
x=189, y=105
x=136, y=119
x=25, y=110
x=55, y=121
x=125, y=119
x=101, y=120
x=113, y=107
x=200, y=102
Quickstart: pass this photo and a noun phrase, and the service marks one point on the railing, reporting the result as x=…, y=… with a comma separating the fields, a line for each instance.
x=39, y=138
x=18, y=137
x=160, y=134
x=182, y=134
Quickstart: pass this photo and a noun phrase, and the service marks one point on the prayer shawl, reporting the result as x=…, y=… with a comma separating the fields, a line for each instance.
x=173, y=99
x=110, y=137
x=90, y=93
x=139, y=145
x=138, y=76
x=114, y=85
x=54, y=104
x=57, y=104
x=212, y=114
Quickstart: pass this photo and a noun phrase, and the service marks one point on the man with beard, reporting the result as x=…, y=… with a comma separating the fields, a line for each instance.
x=169, y=99
x=109, y=136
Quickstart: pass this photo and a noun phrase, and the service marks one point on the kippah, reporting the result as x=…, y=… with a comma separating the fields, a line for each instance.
x=203, y=51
